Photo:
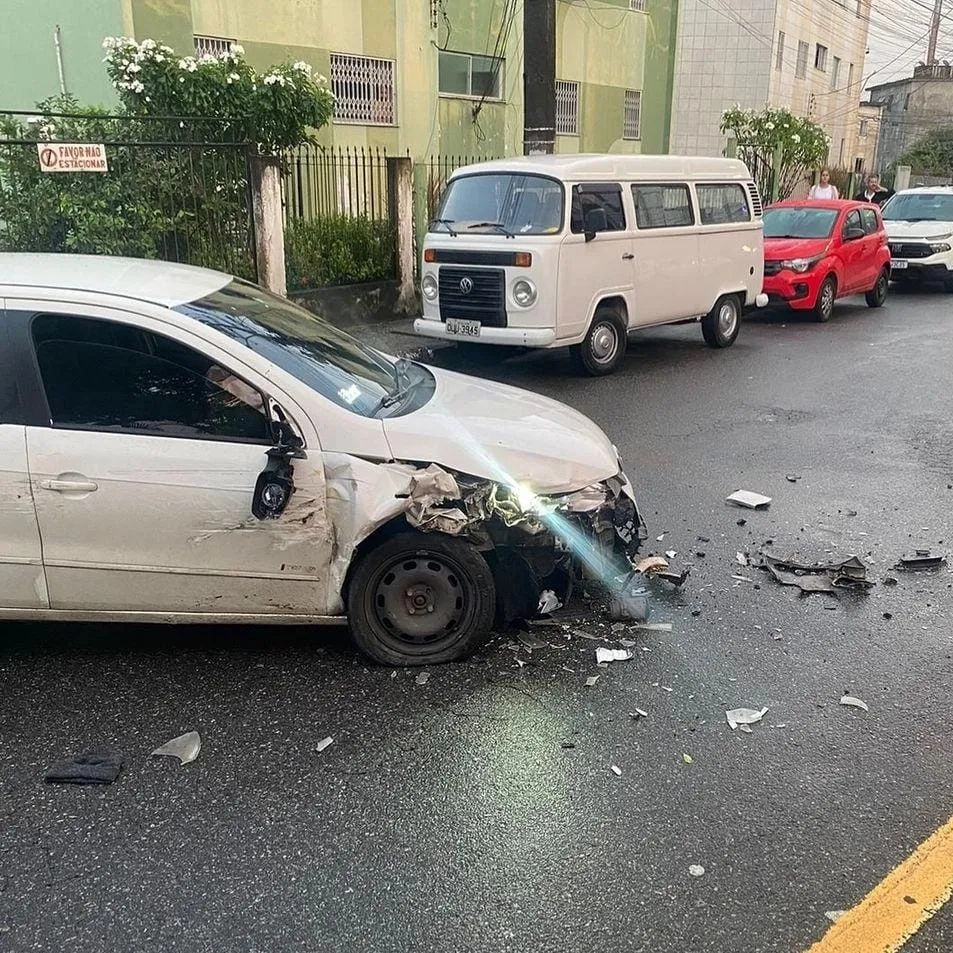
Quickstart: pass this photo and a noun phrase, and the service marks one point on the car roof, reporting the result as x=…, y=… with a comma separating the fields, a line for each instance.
x=156, y=282
x=834, y=204
x=928, y=190
x=594, y=167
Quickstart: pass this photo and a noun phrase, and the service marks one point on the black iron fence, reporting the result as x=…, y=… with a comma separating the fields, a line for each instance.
x=162, y=193
x=337, y=217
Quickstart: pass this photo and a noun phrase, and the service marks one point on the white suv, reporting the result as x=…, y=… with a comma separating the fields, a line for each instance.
x=919, y=225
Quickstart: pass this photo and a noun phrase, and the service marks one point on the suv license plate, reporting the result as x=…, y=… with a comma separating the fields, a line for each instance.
x=898, y=264
x=465, y=329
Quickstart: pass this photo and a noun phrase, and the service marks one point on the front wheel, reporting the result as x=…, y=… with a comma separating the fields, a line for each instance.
x=878, y=294
x=421, y=599
x=721, y=325
x=824, y=306
x=604, y=345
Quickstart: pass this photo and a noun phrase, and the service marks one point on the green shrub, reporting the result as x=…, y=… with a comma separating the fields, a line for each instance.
x=338, y=250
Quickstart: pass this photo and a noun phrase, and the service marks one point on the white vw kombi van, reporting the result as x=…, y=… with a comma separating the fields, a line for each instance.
x=578, y=250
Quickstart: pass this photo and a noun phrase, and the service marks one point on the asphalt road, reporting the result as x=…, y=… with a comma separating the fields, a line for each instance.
x=454, y=816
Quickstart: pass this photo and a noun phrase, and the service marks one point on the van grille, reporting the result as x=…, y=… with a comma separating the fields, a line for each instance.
x=756, y=204
x=476, y=294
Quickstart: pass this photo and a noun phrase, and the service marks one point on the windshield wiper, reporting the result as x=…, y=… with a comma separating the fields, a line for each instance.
x=499, y=226
x=446, y=222
x=403, y=386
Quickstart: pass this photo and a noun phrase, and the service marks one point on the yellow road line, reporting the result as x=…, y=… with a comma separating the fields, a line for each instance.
x=900, y=904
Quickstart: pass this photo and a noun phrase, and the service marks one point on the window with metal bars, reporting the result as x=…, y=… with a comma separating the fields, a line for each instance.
x=632, y=120
x=637, y=5
x=212, y=45
x=567, y=108
x=364, y=90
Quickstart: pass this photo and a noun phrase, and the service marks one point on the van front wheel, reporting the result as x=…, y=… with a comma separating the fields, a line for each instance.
x=603, y=346
x=721, y=325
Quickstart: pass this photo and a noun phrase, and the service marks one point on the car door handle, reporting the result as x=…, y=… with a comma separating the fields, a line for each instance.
x=70, y=486
x=628, y=257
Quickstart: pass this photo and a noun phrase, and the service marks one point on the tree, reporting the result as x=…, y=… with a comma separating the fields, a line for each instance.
x=763, y=137
x=275, y=110
x=932, y=154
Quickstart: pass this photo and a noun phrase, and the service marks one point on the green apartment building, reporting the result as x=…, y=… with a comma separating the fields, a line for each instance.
x=428, y=77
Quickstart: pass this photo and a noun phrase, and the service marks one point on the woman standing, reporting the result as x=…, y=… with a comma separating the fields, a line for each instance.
x=824, y=189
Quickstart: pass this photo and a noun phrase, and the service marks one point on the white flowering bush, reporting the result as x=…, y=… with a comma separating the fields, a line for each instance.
x=761, y=133
x=275, y=109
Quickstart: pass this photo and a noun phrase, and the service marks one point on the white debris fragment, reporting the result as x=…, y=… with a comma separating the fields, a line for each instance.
x=744, y=716
x=851, y=702
x=653, y=626
x=422, y=678
x=659, y=539
x=586, y=635
x=670, y=554
x=617, y=771
x=741, y=559
x=591, y=680
x=665, y=688
x=834, y=915
x=324, y=743
x=639, y=713
x=186, y=748
x=612, y=655
x=752, y=501
x=696, y=870
x=651, y=564
x=548, y=602
x=747, y=729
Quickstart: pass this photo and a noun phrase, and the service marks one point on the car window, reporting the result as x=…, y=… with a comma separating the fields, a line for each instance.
x=586, y=198
x=852, y=221
x=525, y=204
x=107, y=376
x=722, y=204
x=794, y=221
x=871, y=225
x=662, y=206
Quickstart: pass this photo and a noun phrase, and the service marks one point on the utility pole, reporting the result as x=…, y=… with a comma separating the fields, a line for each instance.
x=934, y=32
x=539, y=78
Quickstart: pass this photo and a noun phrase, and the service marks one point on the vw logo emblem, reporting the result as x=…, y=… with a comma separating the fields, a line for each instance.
x=466, y=285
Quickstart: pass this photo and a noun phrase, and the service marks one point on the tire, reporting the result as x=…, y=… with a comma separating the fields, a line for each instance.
x=604, y=345
x=421, y=599
x=721, y=325
x=826, y=296
x=877, y=296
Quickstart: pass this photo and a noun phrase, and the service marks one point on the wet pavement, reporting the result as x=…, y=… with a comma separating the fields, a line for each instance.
x=480, y=812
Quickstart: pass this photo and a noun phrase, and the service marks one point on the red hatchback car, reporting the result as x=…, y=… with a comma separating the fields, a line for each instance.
x=818, y=251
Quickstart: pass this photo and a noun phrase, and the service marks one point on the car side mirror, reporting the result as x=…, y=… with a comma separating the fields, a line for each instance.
x=852, y=234
x=275, y=484
x=595, y=222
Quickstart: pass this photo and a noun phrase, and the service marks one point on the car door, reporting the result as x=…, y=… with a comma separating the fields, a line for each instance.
x=875, y=237
x=852, y=253
x=668, y=285
x=596, y=267
x=144, y=471
x=22, y=580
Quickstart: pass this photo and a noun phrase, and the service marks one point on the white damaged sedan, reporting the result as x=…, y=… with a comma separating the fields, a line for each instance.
x=177, y=445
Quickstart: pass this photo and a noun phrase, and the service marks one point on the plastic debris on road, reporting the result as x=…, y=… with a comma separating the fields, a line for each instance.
x=849, y=701
x=422, y=678
x=921, y=559
x=617, y=771
x=97, y=766
x=741, y=559
x=630, y=601
x=324, y=743
x=834, y=915
x=670, y=554
x=749, y=500
x=744, y=716
x=612, y=655
x=186, y=748
x=696, y=870
x=688, y=759
x=851, y=573
x=591, y=680
x=548, y=602
x=654, y=627
x=638, y=713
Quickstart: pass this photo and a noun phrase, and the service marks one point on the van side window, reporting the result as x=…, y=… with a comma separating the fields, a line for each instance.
x=585, y=198
x=722, y=204
x=662, y=206
x=871, y=225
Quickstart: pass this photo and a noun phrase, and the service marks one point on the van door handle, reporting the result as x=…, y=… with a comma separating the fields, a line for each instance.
x=70, y=486
x=628, y=256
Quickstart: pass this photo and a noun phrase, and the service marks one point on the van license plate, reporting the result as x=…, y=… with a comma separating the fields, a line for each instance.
x=898, y=264
x=465, y=329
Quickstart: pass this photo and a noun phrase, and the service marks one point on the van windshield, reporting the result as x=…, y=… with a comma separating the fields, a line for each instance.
x=919, y=207
x=799, y=222
x=502, y=202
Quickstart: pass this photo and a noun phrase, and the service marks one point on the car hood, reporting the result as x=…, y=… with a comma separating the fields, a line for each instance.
x=921, y=230
x=778, y=249
x=505, y=434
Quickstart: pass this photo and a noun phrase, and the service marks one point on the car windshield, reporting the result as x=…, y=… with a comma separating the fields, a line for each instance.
x=503, y=202
x=326, y=359
x=919, y=207
x=799, y=222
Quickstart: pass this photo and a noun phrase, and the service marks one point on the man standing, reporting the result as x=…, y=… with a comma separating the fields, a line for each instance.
x=874, y=192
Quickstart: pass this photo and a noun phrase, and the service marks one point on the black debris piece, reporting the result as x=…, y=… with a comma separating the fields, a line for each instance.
x=96, y=766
